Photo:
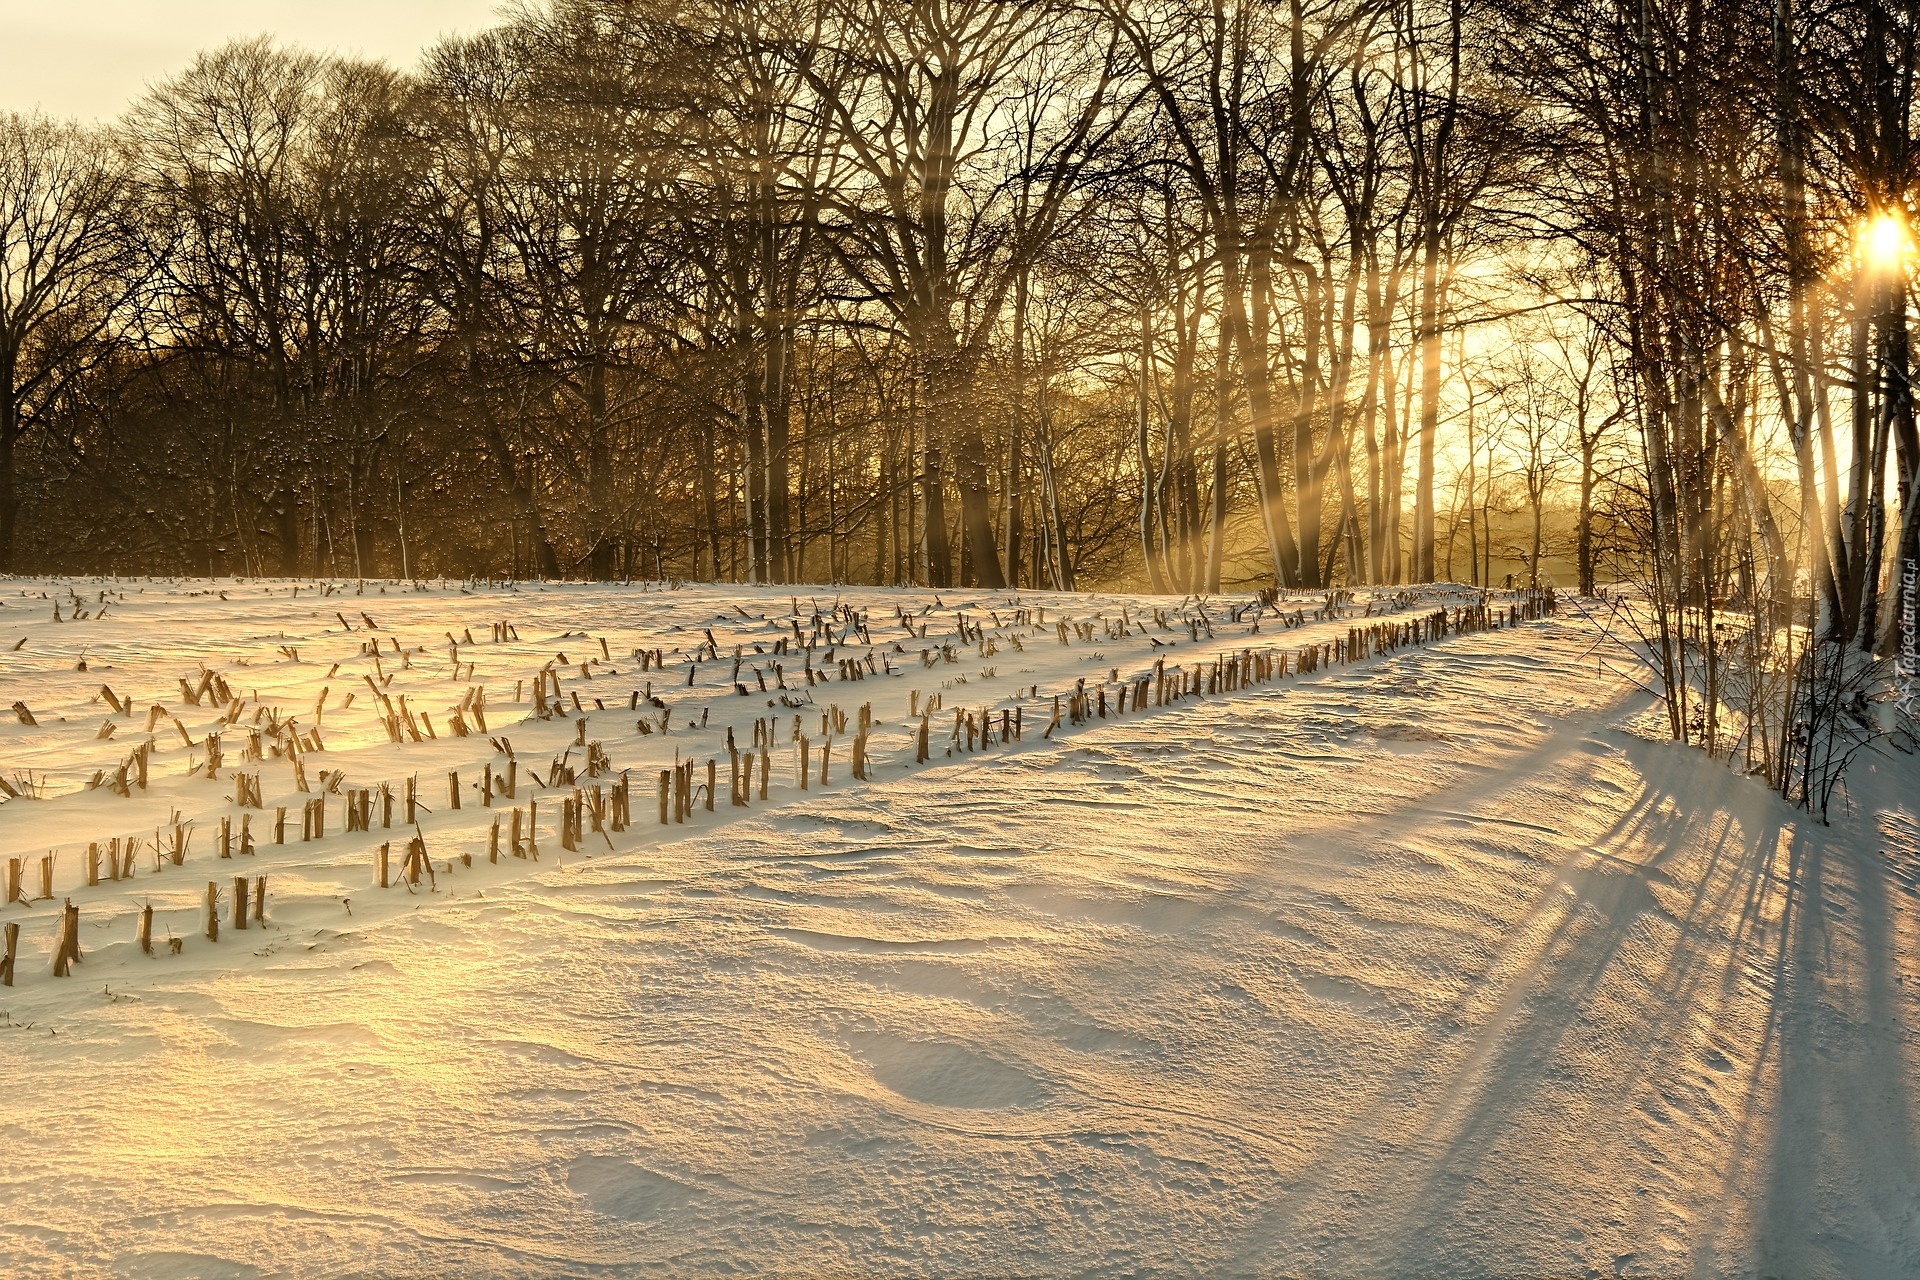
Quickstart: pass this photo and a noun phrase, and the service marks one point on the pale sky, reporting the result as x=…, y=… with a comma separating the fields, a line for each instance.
x=90, y=58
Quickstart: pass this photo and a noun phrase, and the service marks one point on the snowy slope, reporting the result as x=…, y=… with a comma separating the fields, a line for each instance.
x=1426, y=965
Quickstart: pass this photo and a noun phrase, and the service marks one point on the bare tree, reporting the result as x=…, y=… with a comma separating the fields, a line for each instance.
x=218, y=153
x=65, y=272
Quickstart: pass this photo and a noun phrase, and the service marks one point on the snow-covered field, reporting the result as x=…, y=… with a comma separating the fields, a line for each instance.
x=1427, y=964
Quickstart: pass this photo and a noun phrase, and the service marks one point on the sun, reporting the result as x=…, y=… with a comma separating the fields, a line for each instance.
x=1884, y=241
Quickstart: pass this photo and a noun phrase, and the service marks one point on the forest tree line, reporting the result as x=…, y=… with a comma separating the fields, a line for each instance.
x=1173, y=293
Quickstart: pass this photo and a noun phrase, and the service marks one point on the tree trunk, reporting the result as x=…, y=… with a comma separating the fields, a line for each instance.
x=1583, y=534
x=1473, y=502
x=976, y=511
x=601, y=550
x=1393, y=448
x=1759, y=505
x=1223, y=430
x=1897, y=406
x=1429, y=344
x=934, y=504
x=9, y=434
x=1251, y=346
x=709, y=497
x=1306, y=475
x=777, y=404
x=1338, y=450
x=1149, y=554
x=1016, y=462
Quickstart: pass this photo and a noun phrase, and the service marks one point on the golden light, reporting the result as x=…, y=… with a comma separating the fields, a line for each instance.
x=1884, y=242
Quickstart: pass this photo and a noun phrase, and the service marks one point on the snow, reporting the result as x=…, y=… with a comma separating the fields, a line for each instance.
x=1425, y=965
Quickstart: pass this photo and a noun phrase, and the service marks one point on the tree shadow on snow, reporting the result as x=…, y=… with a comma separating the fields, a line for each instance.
x=1624, y=1079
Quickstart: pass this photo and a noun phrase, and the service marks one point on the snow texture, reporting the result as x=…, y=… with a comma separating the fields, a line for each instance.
x=1424, y=965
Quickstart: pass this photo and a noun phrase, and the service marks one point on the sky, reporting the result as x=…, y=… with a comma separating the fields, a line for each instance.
x=90, y=58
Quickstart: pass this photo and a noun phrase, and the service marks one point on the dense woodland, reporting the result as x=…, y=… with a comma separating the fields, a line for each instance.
x=1174, y=294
